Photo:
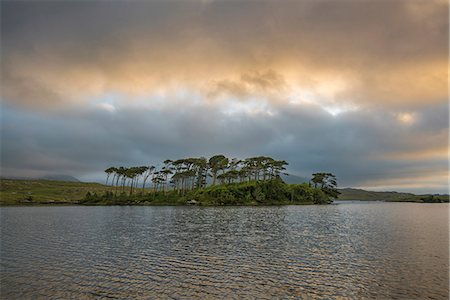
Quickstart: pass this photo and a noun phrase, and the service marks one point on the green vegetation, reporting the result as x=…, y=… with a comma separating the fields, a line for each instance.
x=434, y=198
x=269, y=192
x=252, y=181
x=327, y=183
x=187, y=174
x=13, y=192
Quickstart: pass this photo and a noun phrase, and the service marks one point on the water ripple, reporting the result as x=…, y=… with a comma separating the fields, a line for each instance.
x=384, y=251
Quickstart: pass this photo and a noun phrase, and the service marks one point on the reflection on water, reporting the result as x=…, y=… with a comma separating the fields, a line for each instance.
x=381, y=250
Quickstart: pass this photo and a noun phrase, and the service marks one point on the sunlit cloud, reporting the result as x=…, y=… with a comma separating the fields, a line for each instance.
x=422, y=183
x=305, y=97
x=431, y=153
x=107, y=107
x=406, y=118
x=337, y=110
x=251, y=107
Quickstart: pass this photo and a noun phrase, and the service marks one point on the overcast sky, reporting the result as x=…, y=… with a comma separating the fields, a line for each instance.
x=357, y=88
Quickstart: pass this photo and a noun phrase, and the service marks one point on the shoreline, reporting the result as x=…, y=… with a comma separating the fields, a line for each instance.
x=270, y=193
x=336, y=202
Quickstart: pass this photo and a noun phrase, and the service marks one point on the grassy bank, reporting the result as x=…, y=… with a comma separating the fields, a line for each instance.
x=38, y=192
x=18, y=192
x=273, y=192
x=269, y=192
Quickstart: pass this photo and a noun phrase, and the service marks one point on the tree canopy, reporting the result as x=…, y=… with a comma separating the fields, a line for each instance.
x=185, y=175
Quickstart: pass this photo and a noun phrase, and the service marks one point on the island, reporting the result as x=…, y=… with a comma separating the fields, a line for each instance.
x=190, y=181
x=215, y=181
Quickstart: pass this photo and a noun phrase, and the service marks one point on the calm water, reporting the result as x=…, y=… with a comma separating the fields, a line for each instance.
x=376, y=250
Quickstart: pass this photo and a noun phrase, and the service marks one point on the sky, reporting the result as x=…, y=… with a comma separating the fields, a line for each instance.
x=356, y=88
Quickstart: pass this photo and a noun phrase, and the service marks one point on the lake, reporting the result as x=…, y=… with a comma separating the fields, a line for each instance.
x=352, y=250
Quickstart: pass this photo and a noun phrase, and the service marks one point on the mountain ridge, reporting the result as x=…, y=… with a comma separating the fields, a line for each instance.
x=55, y=177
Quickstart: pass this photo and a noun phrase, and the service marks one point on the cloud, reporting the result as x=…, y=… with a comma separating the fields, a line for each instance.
x=406, y=118
x=250, y=84
x=381, y=53
x=107, y=107
x=358, y=88
x=361, y=148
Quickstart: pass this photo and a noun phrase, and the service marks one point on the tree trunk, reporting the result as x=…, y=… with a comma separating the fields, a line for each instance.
x=117, y=185
x=143, y=184
x=214, y=178
x=131, y=186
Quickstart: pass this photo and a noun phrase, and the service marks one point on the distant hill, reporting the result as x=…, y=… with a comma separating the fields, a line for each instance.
x=362, y=195
x=359, y=194
x=56, y=177
x=294, y=179
x=60, y=177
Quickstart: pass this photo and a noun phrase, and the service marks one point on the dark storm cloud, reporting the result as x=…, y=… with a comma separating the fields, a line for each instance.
x=354, y=146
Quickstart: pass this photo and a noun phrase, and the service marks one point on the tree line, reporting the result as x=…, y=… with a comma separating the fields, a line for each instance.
x=189, y=174
x=183, y=175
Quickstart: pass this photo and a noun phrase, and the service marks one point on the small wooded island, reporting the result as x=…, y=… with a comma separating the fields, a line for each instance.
x=215, y=181
x=196, y=181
